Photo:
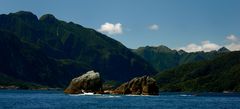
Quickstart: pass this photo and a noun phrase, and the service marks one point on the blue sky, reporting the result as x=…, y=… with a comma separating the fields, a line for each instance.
x=191, y=25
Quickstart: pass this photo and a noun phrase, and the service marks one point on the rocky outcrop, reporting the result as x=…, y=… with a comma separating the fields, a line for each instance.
x=138, y=86
x=88, y=82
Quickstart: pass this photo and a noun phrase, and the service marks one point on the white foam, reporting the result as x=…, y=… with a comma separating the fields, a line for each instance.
x=185, y=95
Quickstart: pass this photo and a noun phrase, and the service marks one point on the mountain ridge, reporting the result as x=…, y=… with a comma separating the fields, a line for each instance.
x=163, y=58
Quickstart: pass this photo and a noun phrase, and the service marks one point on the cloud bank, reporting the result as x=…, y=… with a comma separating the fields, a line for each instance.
x=206, y=46
x=234, y=43
x=111, y=29
x=233, y=46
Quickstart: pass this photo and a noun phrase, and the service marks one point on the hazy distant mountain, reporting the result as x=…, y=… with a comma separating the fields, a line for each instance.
x=163, y=58
x=220, y=74
x=51, y=52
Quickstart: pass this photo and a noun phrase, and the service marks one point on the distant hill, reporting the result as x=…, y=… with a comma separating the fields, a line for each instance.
x=48, y=51
x=163, y=58
x=217, y=75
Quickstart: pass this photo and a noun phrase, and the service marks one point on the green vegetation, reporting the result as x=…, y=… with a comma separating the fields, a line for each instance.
x=18, y=84
x=51, y=52
x=217, y=75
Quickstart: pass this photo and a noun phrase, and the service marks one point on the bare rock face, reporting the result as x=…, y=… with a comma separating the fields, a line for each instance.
x=144, y=85
x=88, y=82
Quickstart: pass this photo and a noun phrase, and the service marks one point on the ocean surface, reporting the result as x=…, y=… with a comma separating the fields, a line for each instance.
x=27, y=99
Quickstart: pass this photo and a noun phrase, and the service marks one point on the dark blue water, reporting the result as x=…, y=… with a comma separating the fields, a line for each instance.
x=15, y=99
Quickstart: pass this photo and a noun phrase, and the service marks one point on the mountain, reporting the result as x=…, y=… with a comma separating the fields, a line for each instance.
x=163, y=58
x=223, y=49
x=217, y=75
x=51, y=52
x=160, y=57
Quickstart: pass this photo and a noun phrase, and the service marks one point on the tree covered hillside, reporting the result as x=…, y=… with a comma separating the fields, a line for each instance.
x=51, y=52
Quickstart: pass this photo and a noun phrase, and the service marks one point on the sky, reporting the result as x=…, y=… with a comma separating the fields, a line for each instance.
x=191, y=25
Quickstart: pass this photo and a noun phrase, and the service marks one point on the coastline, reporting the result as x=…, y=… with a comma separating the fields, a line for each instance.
x=14, y=87
x=224, y=93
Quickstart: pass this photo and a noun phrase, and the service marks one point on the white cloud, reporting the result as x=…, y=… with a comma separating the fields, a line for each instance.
x=232, y=38
x=111, y=29
x=204, y=46
x=191, y=48
x=208, y=46
x=153, y=27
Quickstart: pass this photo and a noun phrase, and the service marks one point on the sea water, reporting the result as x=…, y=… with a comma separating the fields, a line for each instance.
x=27, y=99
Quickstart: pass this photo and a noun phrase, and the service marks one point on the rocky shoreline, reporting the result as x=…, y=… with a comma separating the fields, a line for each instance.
x=92, y=82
